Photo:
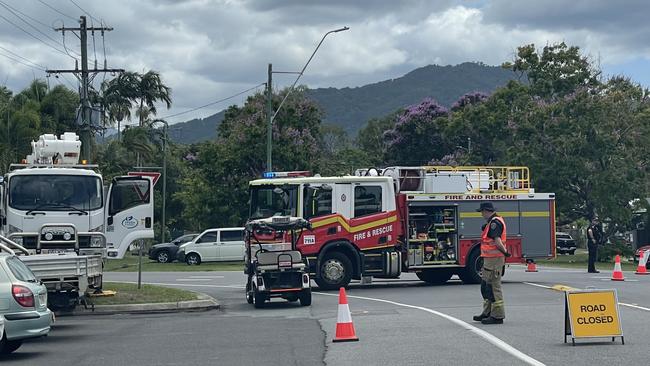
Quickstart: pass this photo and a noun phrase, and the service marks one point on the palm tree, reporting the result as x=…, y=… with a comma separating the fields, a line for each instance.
x=150, y=89
x=117, y=99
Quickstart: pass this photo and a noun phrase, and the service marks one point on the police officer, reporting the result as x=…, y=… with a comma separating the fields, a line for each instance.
x=494, y=253
x=594, y=236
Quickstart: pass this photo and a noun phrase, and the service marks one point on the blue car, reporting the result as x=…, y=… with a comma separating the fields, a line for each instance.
x=23, y=304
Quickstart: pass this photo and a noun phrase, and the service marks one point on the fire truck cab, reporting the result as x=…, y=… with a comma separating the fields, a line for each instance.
x=382, y=222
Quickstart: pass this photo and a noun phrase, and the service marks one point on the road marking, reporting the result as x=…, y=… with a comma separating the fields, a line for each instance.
x=206, y=276
x=634, y=306
x=478, y=331
x=182, y=284
x=609, y=279
x=538, y=285
x=194, y=279
x=569, y=288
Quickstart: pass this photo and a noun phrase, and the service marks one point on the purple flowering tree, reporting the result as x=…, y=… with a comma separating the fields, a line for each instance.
x=468, y=99
x=417, y=135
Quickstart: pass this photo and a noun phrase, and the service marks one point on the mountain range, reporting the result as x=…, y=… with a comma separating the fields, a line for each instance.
x=351, y=108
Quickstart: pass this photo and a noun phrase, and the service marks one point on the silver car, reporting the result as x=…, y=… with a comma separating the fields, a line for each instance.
x=23, y=304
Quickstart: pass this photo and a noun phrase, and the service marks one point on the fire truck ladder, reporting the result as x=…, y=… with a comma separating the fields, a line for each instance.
x=494, y=179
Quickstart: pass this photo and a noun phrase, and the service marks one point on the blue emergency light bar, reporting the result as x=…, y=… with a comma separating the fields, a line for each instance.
x=294, y=174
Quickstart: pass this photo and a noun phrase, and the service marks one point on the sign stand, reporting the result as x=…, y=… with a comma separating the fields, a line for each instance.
x=592, y=314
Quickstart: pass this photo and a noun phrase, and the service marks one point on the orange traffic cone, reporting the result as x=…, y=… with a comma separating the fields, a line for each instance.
x=532, y=267
x=344, y=327
x=643, y=260
x=617, y=275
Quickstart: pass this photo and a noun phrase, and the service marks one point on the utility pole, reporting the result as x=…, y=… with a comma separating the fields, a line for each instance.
x=84, y=77
x=269, y=116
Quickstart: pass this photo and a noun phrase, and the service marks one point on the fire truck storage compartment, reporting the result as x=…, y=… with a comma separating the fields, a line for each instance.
x=433, y=234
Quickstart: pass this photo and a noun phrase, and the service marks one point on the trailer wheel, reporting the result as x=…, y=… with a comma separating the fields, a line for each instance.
x=472, y=271
x=258, y=299
x=434, y=276
x=335, y=271
x=249, y=293
x=305, y=297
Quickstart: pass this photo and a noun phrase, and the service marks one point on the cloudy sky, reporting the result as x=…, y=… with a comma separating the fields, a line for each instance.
x=207, y=50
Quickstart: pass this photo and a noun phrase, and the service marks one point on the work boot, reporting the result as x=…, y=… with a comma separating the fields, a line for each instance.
x=491, y=320
x=478, y=318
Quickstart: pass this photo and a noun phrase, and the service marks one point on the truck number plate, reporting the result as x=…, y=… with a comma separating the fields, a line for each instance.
x=56, y=251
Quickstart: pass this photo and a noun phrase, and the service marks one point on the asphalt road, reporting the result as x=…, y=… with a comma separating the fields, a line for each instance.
x=399, y=322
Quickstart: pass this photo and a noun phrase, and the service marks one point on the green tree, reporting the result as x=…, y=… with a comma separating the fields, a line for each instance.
x=216, y=192
x=371, y=137
x=555, y=72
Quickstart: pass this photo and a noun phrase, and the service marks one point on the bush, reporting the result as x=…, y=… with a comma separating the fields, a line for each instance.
x=608, y=251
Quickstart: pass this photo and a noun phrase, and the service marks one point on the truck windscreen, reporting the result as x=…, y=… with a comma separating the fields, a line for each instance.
x=50, y=192
x=267, y=201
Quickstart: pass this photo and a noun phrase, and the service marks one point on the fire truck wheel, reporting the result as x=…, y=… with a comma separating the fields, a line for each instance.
x=435, y=276
x=335, y=271
x=472, y=272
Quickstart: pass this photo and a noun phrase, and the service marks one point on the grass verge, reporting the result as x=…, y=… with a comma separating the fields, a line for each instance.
x=580, y=259
x=130, y=264
x=128, y=293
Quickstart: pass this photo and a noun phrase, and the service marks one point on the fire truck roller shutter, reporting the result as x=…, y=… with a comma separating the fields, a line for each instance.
x=338, y=249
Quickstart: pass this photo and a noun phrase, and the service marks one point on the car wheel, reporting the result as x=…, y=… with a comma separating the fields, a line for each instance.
x=335, y=271
x=573, y=252
x=193, y=258
x=7, y=347
x=163, y=257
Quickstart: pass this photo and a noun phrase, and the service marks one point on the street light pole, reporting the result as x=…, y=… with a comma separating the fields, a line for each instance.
x=269, y=114
x=271, y=117
x=163, y=224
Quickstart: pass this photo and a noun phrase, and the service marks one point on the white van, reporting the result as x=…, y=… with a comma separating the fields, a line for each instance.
x=214, y=245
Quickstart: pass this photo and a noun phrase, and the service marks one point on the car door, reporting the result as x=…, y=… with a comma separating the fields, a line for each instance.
x=129, y=213
x=231, y=245
x=207, y=246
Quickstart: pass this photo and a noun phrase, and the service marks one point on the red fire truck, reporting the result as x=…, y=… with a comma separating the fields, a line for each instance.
x=382, y=222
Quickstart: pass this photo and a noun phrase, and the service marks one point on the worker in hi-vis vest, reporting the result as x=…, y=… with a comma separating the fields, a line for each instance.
x=494, y=253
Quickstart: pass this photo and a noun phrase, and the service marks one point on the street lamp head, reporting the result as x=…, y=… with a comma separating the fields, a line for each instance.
x=340, y=29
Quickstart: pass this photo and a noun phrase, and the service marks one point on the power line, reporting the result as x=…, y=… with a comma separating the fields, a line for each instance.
x=21, y=57
x=64, y=46
x=33, y=36
x=215, y=102
x=13, y=11
x=21, y=62
x=87, y=13
x=56, y=10
x=69, y=82
x=28, y=16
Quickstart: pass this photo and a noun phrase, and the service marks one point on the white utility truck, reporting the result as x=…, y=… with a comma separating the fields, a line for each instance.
x=54, y=203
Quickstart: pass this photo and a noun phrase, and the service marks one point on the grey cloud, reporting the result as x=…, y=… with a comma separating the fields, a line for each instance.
x=206, y=50
x=594, y=15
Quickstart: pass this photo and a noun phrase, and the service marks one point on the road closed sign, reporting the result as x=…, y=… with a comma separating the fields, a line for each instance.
x=592, y=314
